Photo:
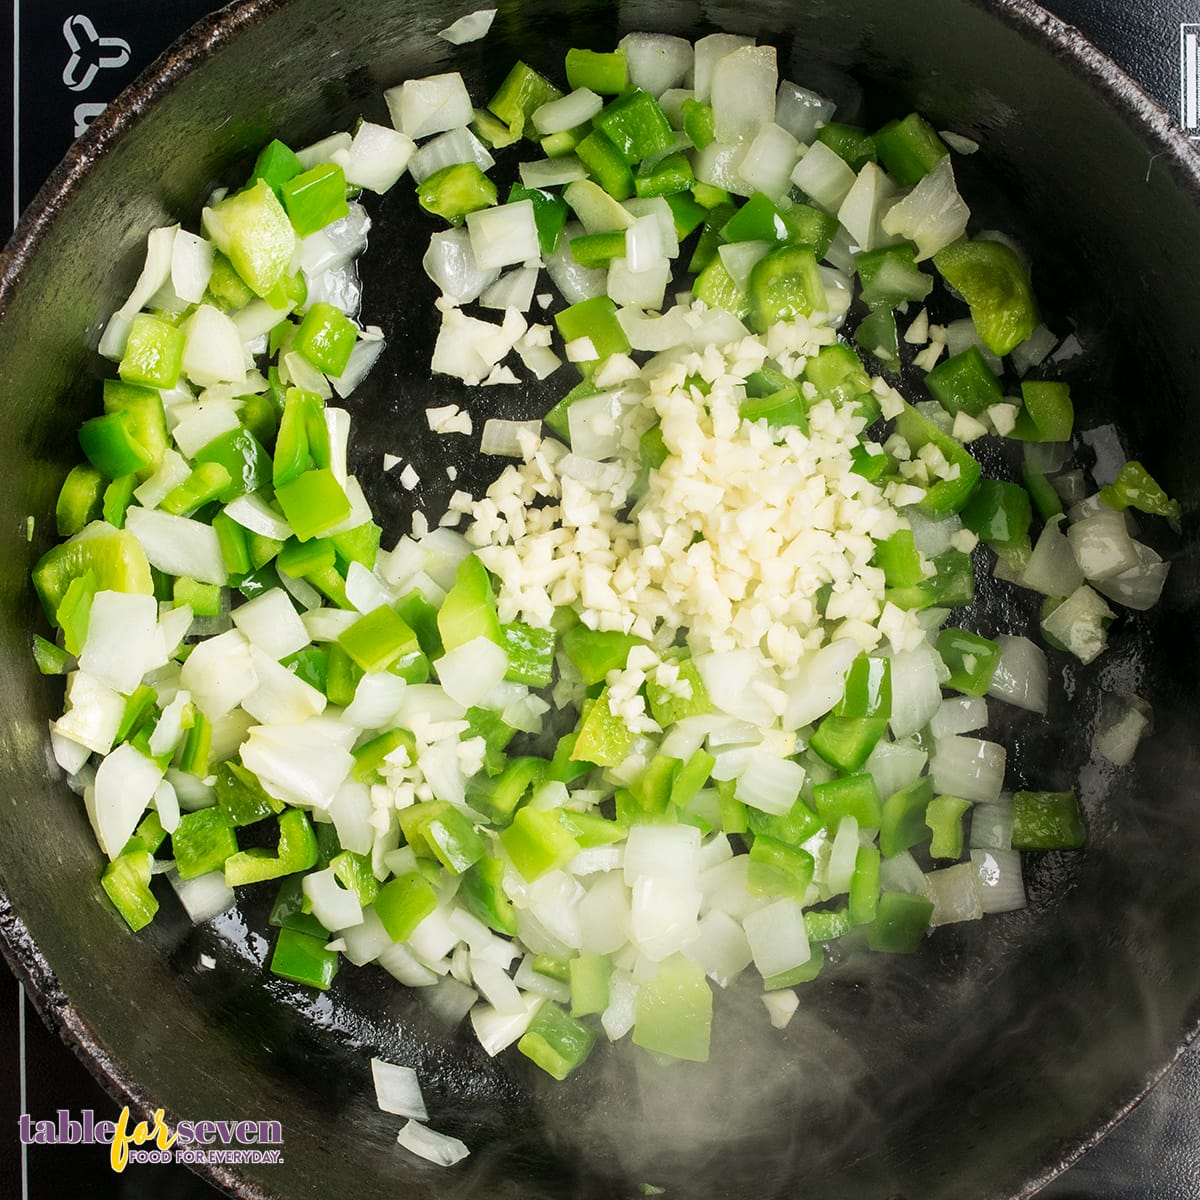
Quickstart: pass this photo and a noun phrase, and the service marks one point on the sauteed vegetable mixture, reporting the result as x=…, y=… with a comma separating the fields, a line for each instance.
x=695, y=691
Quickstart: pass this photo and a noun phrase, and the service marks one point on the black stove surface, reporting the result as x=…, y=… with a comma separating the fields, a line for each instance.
x=68, y=58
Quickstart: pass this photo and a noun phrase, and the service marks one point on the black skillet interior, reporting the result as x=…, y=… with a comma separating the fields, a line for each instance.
x=975, y=1069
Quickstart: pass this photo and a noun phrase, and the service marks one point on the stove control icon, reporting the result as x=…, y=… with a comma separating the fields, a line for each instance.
x=90, y=53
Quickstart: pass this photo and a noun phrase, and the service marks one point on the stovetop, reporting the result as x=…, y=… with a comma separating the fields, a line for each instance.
x=68, y=59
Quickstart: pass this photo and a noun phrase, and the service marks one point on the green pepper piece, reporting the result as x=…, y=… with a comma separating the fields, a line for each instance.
x=900, y=923
x=252, y=229
x=441, y=829
x=636, y=126
x=709, y=242
x=804, y=973
x=686, y=213
x=864, y=886
x=197, y=746
x=1045, y=499
x=970, y=659
x=79, y=500
x=595, y=652
x=549, y=214
x=139, y=705
x=670, y=175
x=469, y=609
x=717, y=288
x=204, y=599
x=793, y=827
x=378, y=639
x=481, y=890
x=699, y=124
x=202, y=842
x=673, y=1011
x=522, y=92
x=557, y=418
x=242, y=456
x=944, y=817
x=780, y=410
x=227, y=290
x=946, y=495
x=111, y=446
x=538, y=841
x=1135, y=487
x=1047, y=414
x=604, y=74
x=153, y=354
x=556, y=1041
x=370, y=755
x=869, y=466
x=276, y=164
x=848, y=796
x=899, y=560
x=588, y=975
x=877, y=335
x=853, y=145
x=777, y=869
x=954, y=582
x=909, y=149
x=206, y=483
x=847, y=742
x=606, y=164
x=837, y=374
x=325, y=337
x=868, y=689
x=964, y=383
x=598, y=249
x=118, y=496
x=530, y=654
x=993, y=281
x=826, y=924
x=241, y=797
x=890, y=276
x=313, y=503
x=783, y=285
x=302, y=958
x=297, y=851
x=1047, y=821
x=145, y=417
x=456, y=190
x=126, y=882
x=315, y=198
x=50, y=659
x=604, y=739
x=999, y=514
x=595, y=319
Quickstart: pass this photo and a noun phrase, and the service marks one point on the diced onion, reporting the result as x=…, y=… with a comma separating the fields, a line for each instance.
x=437, y=1148
x=397, y=1090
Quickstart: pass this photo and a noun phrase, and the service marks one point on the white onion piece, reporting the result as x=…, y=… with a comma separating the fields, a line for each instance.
x=220, y=673
x=160, y=245
x=725, y=889
x=471, y=28
x=420, y=107
x=178, y=545
x=768, y=783
x=991, y=825
x=1102, y=545
x=403, y=966
x=932, y=215
x=819, y=683
x=1052, y=568
x=576, y=283
x=900, y=873
x=270, y=622
x=334, y=906
x=125, y=784
x=567, y=111
x=998, y=881
x=720, y=947
x=781, y=1006
x=366, y=941
x=917, y=677
x=778, y=937
x=824, y=176
x=638, y=289
x=437, y=1148
x=1021, y=677
x=866, y=201
x=1125, y=720
x=256, y=319
x=895, y=766
x=213, y=350
x=654, y=333
x=115, y=337
x=450, y=262
x=739, y=259
x=494, y=985
x=743, y=92
x=644, y=243
x=769, y=161
x=664, y=851
x=663, y=916
x=959, y=714
x=708, y=52
x=552, y=172
x=324, y=150
x=280, y=697
x=376, y=157
x=604, y=915
x=351, y=813
x=193, y=426
x=469, y=672
x=302, y=764
x=954, y=895
x=203, y=897
x=447, y=150
x=736, y=680
x=657, y=61
x=255, y=514
x=191, y=266
x=496, y=1031
x=506, y=438
x=801, y=111
x=969, y=768
x=618, y=1018
x=120, y=640
x=1140, y=586
x=169, y=730
x=512, y=290
x=1078, y=623
x=719, y=164
x=397, y=1090
x=843, y=854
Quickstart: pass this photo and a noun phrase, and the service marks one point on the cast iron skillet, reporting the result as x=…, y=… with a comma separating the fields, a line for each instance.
x=978, y=1069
